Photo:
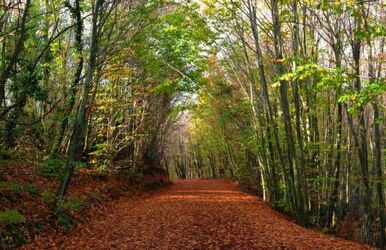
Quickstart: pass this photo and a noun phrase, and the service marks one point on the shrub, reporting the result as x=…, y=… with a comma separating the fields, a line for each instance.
x=280, y=204
x=51, y=168
x=54, y=167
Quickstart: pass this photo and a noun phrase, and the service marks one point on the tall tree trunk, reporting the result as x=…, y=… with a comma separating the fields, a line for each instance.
x=292, y=158
x=361, y=140
x=265, y=93
x=295, y=89
x=334, y=195
x=262, y=139
x=77, y=139
x=76, y=12
x=379, y=175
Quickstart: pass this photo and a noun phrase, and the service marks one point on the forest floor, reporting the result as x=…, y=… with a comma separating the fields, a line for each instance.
x=27, y=200
x=192, y=214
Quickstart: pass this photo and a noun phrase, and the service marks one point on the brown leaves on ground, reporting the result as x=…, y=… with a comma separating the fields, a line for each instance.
x=194, y=214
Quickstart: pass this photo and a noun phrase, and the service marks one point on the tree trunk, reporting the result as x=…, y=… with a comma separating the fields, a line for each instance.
x=334, y=195
x=77, y=15
x=292, y=158
x=76, y=140
x=379, y=175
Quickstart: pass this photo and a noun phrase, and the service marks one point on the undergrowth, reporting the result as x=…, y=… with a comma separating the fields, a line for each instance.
x=10, y=235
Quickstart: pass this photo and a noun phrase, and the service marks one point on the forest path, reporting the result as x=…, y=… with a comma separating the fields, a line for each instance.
x=198, y=214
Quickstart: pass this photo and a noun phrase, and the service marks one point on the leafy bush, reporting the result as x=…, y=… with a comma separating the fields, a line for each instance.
x=11, y=217
x=54, y=167
x=51, y=168
x=280, y=204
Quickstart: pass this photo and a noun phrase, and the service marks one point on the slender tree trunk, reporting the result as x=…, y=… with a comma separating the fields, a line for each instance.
x=361, y=141
x=295, y=89
x=379, y=175
x=76, y=140
x=334, y=195
x=269, y=164
x=265, y=93
x=292, y=158
x=77, y=15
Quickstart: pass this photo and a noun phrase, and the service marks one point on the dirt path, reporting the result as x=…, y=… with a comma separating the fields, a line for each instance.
x=197, y=214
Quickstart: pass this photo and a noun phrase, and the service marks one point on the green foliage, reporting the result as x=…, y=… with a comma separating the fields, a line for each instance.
x=175, y=45
x=64, y=219
x=66, y=206
x=101, y=155
x=72, y=203
x=80, y=165
x=359, y=99
x=54, y=167
x=281, y=204
x=325, y=77
x=166, y=87
x=102, y=168
x=11, y=217
x=154, y=57
x=51, y=168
